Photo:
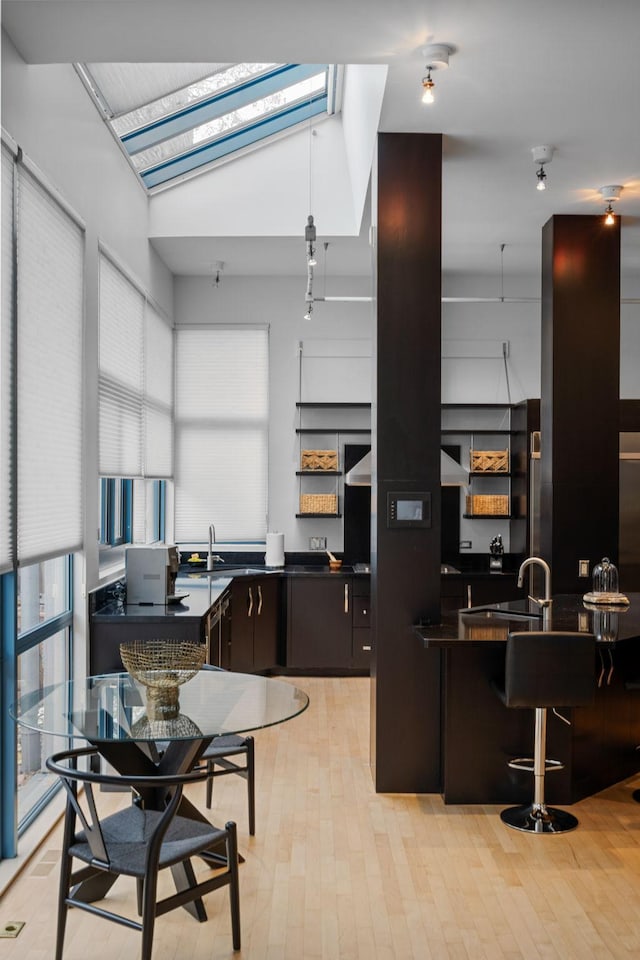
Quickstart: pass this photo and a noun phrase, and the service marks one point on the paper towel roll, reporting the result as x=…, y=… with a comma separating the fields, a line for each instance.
x=274, y=556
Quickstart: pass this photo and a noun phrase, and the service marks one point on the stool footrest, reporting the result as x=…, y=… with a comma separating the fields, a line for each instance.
x=527, y=763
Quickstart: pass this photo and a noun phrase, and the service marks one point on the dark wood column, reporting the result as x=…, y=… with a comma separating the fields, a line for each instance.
x=580, y=388
x=405, y=715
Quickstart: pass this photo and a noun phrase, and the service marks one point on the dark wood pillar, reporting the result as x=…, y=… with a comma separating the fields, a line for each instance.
x=580, y=387
x=405, y=714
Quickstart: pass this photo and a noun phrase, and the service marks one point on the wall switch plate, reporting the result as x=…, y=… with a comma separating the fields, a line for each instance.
x=583, y=568
x=465, y=544
x=317, y=543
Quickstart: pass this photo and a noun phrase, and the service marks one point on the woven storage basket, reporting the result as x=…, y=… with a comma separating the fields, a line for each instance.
x=319, y=460
x=318, y=503
x=490, y=461
x=497, y=505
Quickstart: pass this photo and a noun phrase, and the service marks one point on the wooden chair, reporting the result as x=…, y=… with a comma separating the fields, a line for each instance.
x=218, y=764
x=137, y=842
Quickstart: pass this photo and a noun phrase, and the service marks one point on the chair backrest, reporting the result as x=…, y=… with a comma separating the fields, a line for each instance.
x=550, y=669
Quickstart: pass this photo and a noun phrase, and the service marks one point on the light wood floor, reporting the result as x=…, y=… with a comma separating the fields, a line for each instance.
x=337, y=872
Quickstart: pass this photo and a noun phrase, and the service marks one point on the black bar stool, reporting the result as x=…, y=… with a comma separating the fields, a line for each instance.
x=546, y=669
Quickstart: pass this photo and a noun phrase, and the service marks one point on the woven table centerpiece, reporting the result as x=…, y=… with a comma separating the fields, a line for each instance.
x=161, y=666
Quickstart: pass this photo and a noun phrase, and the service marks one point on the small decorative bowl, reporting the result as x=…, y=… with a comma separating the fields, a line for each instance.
x=335, y=564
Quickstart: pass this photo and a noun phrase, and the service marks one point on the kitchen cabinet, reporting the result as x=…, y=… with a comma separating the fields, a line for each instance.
x=361, y=645
x=320, y=627
x=253, y=641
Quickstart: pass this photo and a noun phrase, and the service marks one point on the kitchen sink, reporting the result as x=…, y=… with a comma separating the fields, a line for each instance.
x=501, y=614
x=229, y=571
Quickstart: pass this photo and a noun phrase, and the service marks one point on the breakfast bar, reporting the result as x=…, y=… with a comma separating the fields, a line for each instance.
x=479, y=735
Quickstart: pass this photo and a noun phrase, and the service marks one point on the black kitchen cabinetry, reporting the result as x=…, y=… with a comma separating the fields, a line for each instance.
x=361, y=640
x=104, y=655
x=253, y=641
x=327, y=627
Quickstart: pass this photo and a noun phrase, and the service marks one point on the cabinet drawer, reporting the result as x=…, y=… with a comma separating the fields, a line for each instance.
x=361, y=650
x=361, y=611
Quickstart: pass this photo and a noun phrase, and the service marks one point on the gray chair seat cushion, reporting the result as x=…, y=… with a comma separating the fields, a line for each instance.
x=126, y=836
x=225, y=746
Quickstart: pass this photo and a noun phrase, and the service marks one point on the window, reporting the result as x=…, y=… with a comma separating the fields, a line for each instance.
x=43, y=658
x=234, y=106
x=116, y=498
x=221, y=433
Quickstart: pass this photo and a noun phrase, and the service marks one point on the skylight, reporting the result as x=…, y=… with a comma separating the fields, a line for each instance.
x=211, y=117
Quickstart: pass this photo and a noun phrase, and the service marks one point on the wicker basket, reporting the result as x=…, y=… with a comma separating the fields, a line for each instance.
x=318, y=503
x=489, y=461
x=319, y=460
x=496, y=505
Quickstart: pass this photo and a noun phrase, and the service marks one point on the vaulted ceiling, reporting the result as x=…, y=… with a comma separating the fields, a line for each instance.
x=523, y=74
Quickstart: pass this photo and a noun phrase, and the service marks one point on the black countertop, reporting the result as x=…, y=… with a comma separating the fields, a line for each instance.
x=492, y=623
x=202, y=589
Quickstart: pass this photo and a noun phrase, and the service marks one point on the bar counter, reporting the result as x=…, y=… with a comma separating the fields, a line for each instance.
x=479, y=735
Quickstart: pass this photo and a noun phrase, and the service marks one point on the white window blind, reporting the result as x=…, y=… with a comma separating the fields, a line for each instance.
x=121, y=373
x=222, y=407
x=6, y=389
x=158, y=396
x=50, y=267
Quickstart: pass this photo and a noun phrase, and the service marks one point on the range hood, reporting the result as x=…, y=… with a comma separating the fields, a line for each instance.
x=451, y=473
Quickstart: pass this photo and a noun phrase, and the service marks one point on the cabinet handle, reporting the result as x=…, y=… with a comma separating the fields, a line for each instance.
x=364, y=611
x=366, y=646
x=469, y=603
x=250, y=611
x=259, y=599
x=346, y=598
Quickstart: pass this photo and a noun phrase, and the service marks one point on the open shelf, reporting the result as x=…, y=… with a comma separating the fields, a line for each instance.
x=487, y=473
x=488, y=516
x=318, y=473
x=333, y=406
x=328, y=430
x=319, y=516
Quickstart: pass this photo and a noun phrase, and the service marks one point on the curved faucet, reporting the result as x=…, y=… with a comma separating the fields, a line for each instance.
x=546, y=601
x=210, y=556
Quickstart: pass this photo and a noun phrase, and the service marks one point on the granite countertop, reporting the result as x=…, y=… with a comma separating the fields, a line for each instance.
x=206, y=588
x=492, y=623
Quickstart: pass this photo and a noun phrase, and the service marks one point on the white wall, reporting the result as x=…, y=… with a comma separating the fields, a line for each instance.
x=278, y=302
x=48, y=113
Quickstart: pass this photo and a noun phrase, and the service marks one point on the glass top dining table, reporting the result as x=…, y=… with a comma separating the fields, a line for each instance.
x=115, y=708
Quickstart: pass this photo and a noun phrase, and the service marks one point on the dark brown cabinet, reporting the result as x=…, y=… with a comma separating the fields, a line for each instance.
x=461, y=591
x=328, y=624
x=253, y=645
x=361, y=640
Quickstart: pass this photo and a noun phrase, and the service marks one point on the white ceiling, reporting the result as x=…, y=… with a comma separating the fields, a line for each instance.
x=562, y=72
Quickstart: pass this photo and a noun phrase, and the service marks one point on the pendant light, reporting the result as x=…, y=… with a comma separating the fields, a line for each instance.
x=437, y=58
x=541, y=155
x=610, y=194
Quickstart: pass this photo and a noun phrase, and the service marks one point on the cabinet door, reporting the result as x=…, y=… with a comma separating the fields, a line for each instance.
x=265, y=623
x=320, y=616
x=243, y=608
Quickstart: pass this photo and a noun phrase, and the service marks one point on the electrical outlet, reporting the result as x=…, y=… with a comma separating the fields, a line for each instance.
x=465, y=544
x=583, y=568
x=317, y=543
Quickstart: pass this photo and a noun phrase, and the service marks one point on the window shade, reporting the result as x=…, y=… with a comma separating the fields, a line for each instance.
x=120, y=380
x=221, y=433
x=158, y=396
x=50, y=265
x=6, y=340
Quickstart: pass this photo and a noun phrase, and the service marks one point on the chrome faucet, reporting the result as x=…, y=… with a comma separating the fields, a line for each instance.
x=543, y=602
x=211, y=558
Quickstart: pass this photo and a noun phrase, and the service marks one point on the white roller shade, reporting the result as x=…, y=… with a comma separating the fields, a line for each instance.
x=6, y=339
x=158, y=396
x=222, y=379
x=50, y=264
x=121, y=374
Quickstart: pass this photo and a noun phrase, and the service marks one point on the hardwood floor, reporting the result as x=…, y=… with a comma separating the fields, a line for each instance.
x=336, y=872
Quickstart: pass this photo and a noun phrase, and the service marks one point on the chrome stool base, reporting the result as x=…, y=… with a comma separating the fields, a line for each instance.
x=538, y=818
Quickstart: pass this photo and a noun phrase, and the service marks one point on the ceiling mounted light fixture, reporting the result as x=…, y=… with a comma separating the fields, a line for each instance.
x=541, y=155
x=437, y=58
x=610, y=194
